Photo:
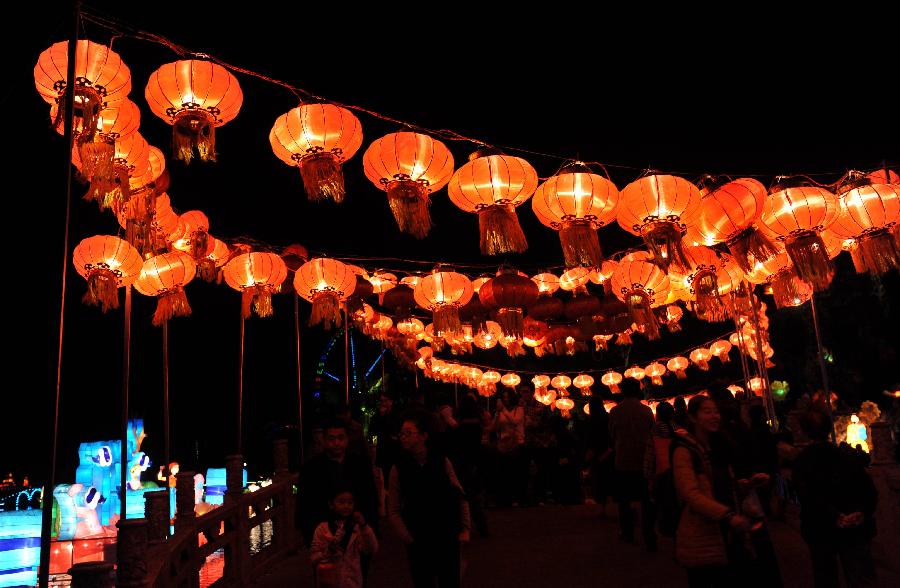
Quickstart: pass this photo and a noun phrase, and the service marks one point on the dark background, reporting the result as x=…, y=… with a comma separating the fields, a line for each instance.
x=683, y=98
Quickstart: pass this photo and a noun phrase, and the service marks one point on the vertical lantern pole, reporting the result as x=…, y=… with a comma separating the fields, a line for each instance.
x=821, y=354
x=68, y=132
x=347, y=357
x=126, y=376
x=299, y=379
x=761, y=359
x=240, y=407
x=167, y=450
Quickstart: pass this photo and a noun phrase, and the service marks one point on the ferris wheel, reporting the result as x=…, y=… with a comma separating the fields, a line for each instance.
x=362, y=364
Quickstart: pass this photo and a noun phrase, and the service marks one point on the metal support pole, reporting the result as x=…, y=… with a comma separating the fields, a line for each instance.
x=761, y=359
x=240, y=407
x=68, y=133
x=821, y=353
x=347, y=358
x=167, y=448
x=299, y=379
x=126, y=376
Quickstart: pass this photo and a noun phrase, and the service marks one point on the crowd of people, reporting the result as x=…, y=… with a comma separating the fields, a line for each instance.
x=709, y=473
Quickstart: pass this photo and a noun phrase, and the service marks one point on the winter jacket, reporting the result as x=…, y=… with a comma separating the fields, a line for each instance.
x=699, y=540
x=328, y=547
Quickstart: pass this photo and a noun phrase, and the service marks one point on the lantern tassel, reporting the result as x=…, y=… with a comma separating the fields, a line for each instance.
x=706, y=293
x=326, y=309
x=512, y=322
x=409, y=203
x=322, y=177
x=681, y=375
x=446, y=320
x=663, y=238
x=639, y=305
x=514, y=348
x=97, y=159
x=207, y=269
x=876, y=253
x=580, y=245
x=751, y=246
x=624, y=338
x=656, y=380
x=103, y=290
x=88, y=104
x=200, y=245
x=787, y=289
x=194, y=131
x=500, y=230
x=170, y=305
x=261, y=297
x=811, y=262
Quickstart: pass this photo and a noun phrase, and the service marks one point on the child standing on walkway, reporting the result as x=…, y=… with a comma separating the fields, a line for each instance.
x=338, y=544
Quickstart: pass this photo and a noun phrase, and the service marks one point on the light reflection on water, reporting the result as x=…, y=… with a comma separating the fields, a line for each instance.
x=260, y=537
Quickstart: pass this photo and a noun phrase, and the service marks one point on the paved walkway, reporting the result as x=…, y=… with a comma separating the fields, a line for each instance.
x=558, y=546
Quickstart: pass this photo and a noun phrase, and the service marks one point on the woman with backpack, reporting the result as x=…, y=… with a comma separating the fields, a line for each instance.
x=710, y=531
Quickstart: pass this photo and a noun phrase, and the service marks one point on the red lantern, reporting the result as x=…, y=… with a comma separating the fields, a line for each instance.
x=701, y=280
x=641, y=285
x=584, y=382
x=612, y=380
x=701, y=356
x=576, y=203
x=220, y=255
x=659, y=208
x=678, y=365
x=101, y=80
x=546, y=308
x=797, y=215
x=409, y=167
x=493, y=185
x=728, y=212
x=509, y=293
x=443, y=293
x=636, y=373
x=256, y=276
x=110, y=182
x=165, y=277
x=510, y=380
x=573, y=279
x=720, y=349
x=107, y=263
x=868, y=210
x=656, y=371
x=194, y=97
x=547, y=283
x=195, y=240
x=294, y=256
x=325, y=283
x=317, y=138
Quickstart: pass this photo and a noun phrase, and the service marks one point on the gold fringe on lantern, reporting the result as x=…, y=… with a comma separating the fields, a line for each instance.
x=810, y=258
x=110, y=191
x=409, y=203
x=681, y=375
x=580, y=244
x=261, y=299
x=624, y=338
x=876, y=253
x=207, y=270
x=512, y=322
x=97, y=159
x=88, y=104
x=326, y=309
x=194, y=131
x=515, y=348
x=788, y=290
x=138, y=235
x=103, y=290
x=639, y=304
x=709, y=306
x=663, y=238
x=200, y=244
x=656, y=380
x=170, y=305
x=446, y=320
x=751, y=246
x=500, y=230
x=141, y=204
x=322, y=177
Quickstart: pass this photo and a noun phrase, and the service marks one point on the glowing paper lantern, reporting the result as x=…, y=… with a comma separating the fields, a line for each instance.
x=612, y=380
x=492, y=185
x=757, y=386
x=325, y=283
x=635, y=373
x=677, y=365
x=510, y=380
x=410, y=327
x=576, y=203
x=574, y=278
x=641, y=286
x=478, y=282
x=720, y=349
x=565, y=405
x=194, y=97
x=728, y=213
x=110, y=181
x=165, y=276
x=318, y=139
x=701, y=279
x=547, y=283
x=700, y=357
x=409, y=167
x=796, y=216
x=561, y=382
x=107, y=263
x=867, y=212
x=101, y=80
x=509, y=294
x=584, y=382
x=443, y=293
x=658, y=208
x=673, y=314
x=256, y=276
x=488, y=337
x=601, y=341
x=656, y=371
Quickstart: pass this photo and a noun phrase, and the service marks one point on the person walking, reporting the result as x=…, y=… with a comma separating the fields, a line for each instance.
x=427, y=507
x=339, y=544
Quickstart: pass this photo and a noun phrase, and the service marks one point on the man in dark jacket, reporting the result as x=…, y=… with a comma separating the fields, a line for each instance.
x=335, y=468
x=837, y=502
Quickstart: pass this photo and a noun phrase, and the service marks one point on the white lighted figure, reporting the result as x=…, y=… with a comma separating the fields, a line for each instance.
x=86, y=502
x=103, y=457
x=856, y=434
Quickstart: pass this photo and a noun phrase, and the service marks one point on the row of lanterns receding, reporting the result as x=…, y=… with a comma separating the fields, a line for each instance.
x=668, y=212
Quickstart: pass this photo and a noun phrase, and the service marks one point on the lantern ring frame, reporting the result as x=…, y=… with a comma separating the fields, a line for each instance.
x=172, y=111
x=80, y=82
x=403, y=178
x=801, y=233
x=316, y=151
x=97, y=267
x=674, y=219
x=638, y=288
x=502, y=202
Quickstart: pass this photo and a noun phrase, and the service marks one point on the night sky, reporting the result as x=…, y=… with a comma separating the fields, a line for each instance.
x=732, y=102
